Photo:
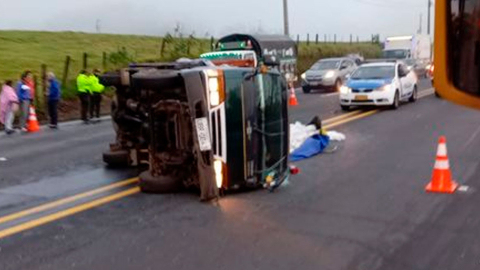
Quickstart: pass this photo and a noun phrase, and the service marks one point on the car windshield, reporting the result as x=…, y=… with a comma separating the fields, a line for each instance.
x=325, y=65
x=395, y=54
x=376, y=72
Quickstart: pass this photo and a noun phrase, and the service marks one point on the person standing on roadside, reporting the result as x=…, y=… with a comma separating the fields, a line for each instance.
x=25, y=98
x=30, y=82
x=84, y=90
x=54, y=93
x=97, y=90
x=8, y=106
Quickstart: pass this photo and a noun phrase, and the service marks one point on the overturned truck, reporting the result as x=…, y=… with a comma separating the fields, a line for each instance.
x=196, y=125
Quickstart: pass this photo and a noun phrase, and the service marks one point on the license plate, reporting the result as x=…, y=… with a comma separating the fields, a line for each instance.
x=203, y=134
x=361, y=97
x=314, y=83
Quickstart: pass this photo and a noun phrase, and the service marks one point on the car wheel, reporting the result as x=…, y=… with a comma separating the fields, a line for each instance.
x=338, y=85
x=158, y=184
x=396, y=101
x=414, y=96
x=345, y=108
x=306, y=90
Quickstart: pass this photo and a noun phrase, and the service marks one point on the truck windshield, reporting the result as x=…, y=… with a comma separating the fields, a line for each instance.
x=395, y=54
x=372, y=73
x=325, y=65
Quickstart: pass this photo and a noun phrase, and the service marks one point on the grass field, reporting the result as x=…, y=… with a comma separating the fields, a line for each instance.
x=24, y=50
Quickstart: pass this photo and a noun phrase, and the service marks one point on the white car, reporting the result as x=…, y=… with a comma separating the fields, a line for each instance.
x=379, y=84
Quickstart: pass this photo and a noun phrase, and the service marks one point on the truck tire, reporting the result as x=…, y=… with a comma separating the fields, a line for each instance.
x=306, y=90
x=117, y=159
x=345, y=108
x=153, y=79
x=158, y=184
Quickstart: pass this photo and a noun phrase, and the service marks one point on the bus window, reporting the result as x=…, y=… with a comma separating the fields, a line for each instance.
x=464, y=50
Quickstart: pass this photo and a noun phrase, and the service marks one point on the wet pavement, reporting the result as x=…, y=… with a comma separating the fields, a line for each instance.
x=362, y=207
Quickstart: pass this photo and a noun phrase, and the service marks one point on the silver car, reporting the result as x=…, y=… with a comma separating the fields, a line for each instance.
x=327, y=74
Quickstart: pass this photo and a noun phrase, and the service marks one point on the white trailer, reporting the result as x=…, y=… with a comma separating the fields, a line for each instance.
x=408, y=47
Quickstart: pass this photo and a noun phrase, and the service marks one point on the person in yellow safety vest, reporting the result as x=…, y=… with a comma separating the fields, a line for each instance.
x=96, y=95
x=84, y=90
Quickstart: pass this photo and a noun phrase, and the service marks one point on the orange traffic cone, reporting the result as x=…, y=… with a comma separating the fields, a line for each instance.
x=442, y=176
x=293, y=98
x=32, y=125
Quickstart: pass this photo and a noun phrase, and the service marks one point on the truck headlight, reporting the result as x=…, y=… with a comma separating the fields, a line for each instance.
x=386, y=87
x=345, y=89
x=218, y=168
x=330, y=74
x=215, y=83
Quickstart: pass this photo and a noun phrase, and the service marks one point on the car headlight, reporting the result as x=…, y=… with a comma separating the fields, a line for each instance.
x=386, y=87
x=304, y=76
x=329, y=74
x=345, y=89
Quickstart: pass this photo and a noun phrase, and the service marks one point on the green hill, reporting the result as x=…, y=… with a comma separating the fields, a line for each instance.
x=28, y=50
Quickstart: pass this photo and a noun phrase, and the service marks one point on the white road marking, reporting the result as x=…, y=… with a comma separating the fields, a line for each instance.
x=463, y=188
x=3, y=159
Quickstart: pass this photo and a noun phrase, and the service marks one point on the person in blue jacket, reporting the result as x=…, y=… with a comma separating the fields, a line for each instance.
x=53, y=95
x=25, y=98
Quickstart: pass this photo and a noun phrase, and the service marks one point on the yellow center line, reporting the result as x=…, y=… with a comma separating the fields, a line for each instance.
x=344, y=121
x=333, y=119
x=65, y=213
x=67, y=200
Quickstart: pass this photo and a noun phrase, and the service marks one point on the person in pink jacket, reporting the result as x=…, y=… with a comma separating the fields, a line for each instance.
x=8, y=106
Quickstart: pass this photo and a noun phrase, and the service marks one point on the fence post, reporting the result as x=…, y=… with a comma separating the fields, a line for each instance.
x=335, y=39
x=162, y=47
x=43, y=94
x=298, y=39
x=358, y=40
x=316, y=39
x=104, y=61
x=85, y=60
x=325, y=37
x=65, y=71
x=212, y=44
x=308, y=39
x=351, y=39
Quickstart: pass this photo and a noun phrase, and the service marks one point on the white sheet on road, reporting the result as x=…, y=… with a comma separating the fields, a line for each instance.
x=299, y=133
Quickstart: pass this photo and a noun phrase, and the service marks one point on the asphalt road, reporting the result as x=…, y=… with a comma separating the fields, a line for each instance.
x=362, y=207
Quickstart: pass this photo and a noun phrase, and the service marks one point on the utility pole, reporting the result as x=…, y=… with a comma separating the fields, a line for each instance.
x=420, y=24
x=428, y=19
x=286, y=29
x=98, y=26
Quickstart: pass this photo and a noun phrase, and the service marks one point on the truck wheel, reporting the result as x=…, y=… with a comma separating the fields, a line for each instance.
x=414, y=96
x=117, y=159
x=396, y=101
x=152, y=79
x=158, y=184
x=306, y=89
x=345, y=108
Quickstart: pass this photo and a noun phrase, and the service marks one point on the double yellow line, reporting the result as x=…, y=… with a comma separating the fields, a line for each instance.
x=51, y=206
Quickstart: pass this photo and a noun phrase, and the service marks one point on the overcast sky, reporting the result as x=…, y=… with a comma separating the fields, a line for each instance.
x=217, y=17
